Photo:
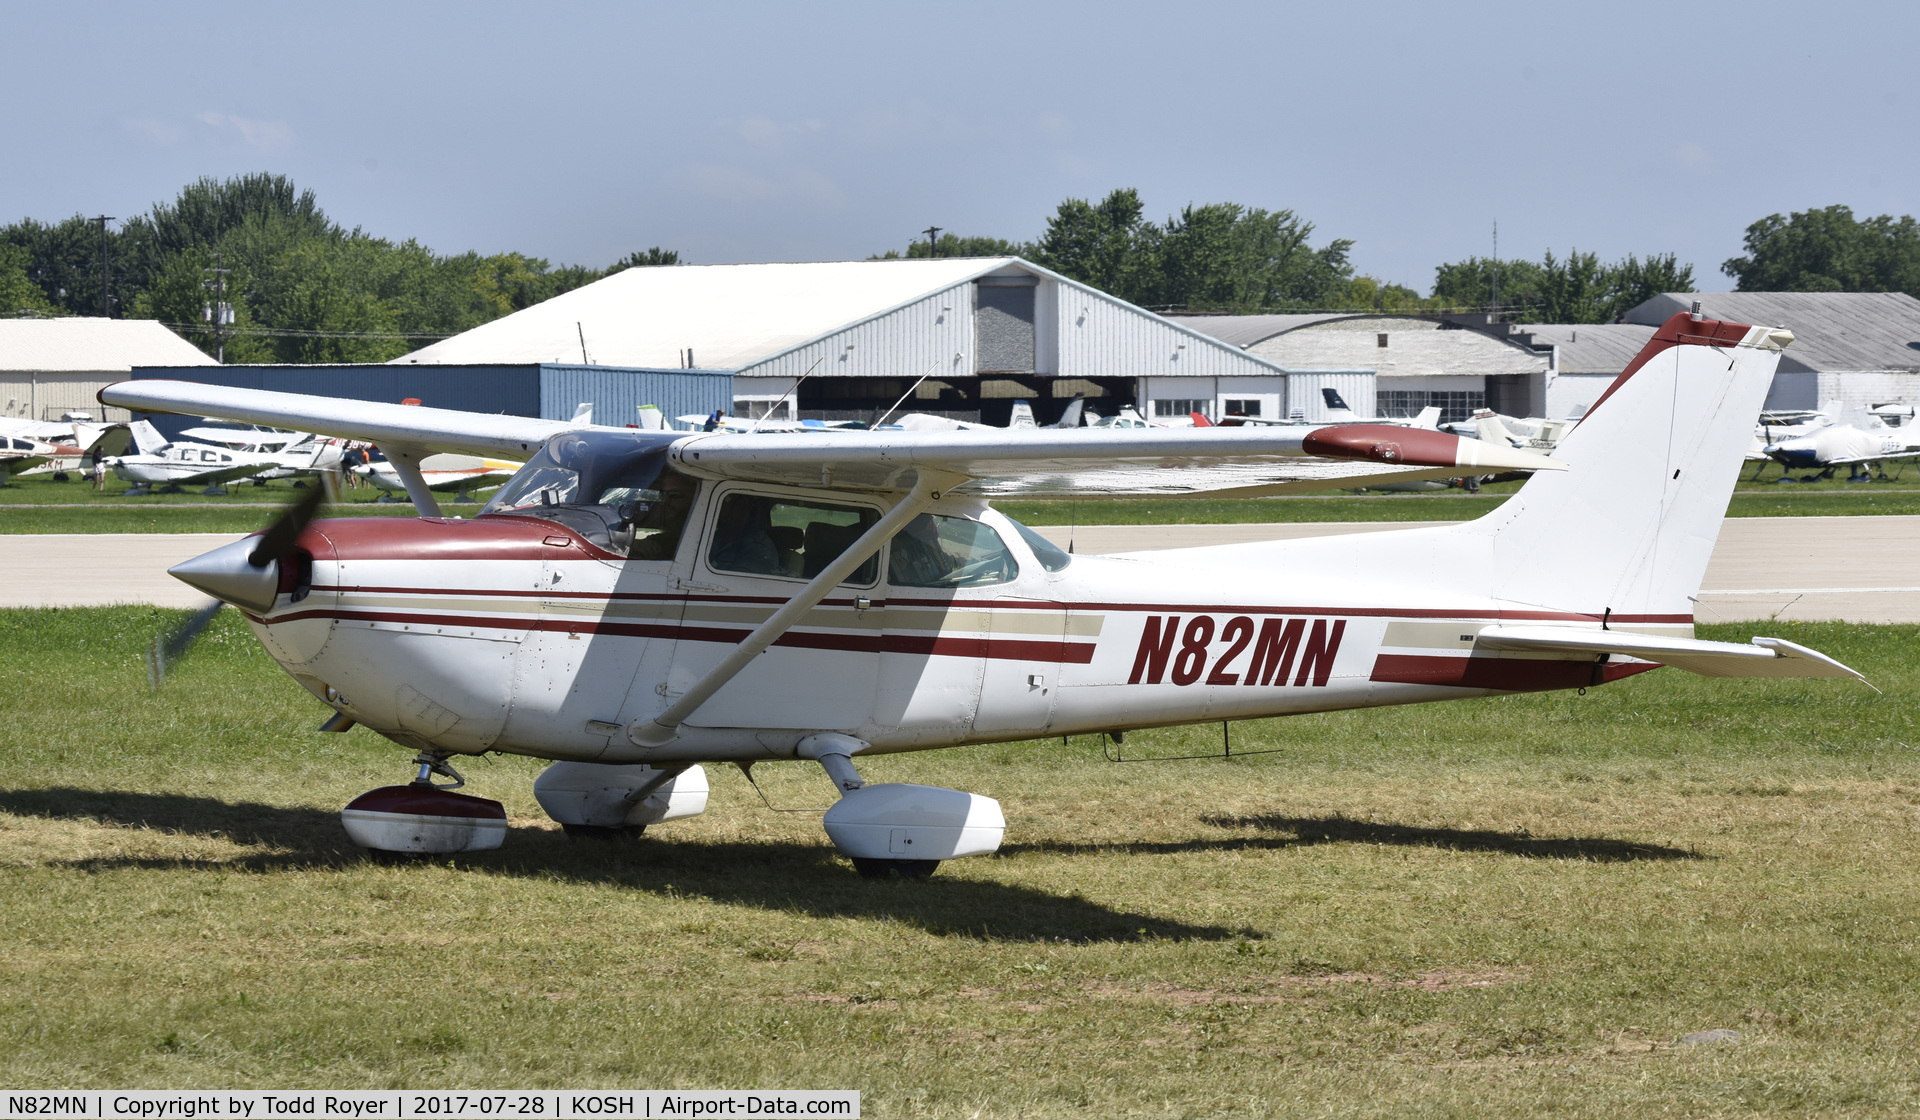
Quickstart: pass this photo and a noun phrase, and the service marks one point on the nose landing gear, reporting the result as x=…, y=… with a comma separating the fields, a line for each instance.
x=423, y=818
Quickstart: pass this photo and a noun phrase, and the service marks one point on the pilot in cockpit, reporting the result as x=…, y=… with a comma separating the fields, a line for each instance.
x=655, y=535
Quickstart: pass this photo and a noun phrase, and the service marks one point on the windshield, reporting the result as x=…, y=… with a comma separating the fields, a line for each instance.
x=613, y=488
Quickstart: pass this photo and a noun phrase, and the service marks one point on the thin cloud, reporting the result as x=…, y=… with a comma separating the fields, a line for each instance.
x=255, y=133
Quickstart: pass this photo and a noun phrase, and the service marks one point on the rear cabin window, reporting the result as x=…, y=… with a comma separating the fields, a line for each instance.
x=765, y=536
x=936, y=551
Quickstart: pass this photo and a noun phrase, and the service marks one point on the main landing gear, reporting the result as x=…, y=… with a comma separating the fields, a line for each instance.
x=423, y=818
x=896, y=828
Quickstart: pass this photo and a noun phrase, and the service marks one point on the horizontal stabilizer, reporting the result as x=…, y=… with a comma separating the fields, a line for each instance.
x=1766, y=657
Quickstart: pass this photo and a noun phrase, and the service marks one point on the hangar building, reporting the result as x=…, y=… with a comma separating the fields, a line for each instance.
x=550, y=390
x=985, y=331
x=1859, y=348
x=49, y=367
x=1417, y=360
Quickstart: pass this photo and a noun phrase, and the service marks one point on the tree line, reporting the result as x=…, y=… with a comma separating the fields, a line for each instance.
x=1230, y=258
x=302, y=288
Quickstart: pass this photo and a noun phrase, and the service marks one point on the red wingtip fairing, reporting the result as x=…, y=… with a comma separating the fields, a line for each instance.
x=1385, y=443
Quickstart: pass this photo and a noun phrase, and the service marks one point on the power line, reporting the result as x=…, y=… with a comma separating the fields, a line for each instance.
x=280, y=332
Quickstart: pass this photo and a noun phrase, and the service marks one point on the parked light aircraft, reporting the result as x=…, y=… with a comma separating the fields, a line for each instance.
x=158, y=462
x=45, y=447
x=1021, y=417
x=634, y=604
x=1868, y=440
x=442, y=473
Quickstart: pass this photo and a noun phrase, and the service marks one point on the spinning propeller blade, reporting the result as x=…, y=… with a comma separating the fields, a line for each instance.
x=169, y=646
x=217, y=572
x=277, y=541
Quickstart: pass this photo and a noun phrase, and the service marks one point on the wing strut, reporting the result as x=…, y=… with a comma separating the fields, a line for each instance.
x=662, y=729
x=406, y=463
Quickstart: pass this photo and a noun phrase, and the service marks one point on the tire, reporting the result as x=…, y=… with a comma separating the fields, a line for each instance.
x=59, y=476
x=905, y=868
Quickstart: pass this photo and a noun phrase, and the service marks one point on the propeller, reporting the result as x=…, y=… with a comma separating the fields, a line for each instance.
x=245, y=573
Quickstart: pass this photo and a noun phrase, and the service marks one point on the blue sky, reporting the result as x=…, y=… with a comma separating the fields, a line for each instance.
x=581, y=131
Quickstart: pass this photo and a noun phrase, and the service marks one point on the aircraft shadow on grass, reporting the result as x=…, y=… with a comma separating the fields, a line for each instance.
x=1299, y=832
x=793, y=878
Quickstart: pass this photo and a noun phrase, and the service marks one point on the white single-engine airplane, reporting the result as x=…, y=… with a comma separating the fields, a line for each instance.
x=443, y=474
x=635, y=603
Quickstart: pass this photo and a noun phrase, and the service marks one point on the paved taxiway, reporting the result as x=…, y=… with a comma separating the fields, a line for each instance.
x=1861, y=569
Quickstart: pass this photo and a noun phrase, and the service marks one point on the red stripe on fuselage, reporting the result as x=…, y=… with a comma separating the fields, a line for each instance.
x=1003, y=649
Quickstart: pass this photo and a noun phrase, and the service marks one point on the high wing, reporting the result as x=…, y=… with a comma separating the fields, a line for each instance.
x=1766, y=657
x=997, y=463
x=429, y=429
x=1097, y=462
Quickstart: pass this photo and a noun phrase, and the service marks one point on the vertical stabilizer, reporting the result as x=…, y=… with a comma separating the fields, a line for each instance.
x=1629, y=527
x=147, y=438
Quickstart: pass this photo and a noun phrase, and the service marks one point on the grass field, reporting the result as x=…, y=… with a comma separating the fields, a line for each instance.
x=1489, y=908
x=38, y=505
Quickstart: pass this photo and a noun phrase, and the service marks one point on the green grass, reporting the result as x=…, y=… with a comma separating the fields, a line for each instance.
x=1487, y=908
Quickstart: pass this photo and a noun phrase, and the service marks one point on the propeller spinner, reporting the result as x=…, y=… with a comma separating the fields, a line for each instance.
x=245, y=573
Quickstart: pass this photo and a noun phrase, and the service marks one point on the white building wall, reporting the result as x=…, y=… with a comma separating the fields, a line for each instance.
x=1864, y=389
x=1572, y=394
x=1356, y=387
x=937, y=329
x=1100, y=337
x=32, y=395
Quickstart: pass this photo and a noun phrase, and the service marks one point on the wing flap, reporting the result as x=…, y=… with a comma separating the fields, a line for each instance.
x=1765, y=657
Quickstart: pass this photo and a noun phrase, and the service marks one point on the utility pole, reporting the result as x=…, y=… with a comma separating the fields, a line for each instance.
x=217, y=311
x=105, y=311
x=933, y=240
x=1496, y=266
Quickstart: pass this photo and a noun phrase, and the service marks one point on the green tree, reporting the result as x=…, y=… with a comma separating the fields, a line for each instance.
x=1634, y=283
x=63, y=261
x=1367, y=293
x=654, y=257
x=1110, y=246
x=1576, y=289
x=1829, y=251
x=1471, y=284
x=18, y=293
x=207, y=210
x=179, y=296
x=1225, y=257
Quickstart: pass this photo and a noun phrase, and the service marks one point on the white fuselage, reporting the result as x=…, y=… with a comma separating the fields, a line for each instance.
x=1844, y=443
x=511, y=633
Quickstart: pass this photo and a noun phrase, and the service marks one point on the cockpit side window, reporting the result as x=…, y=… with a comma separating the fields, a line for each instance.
x=937, y=551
